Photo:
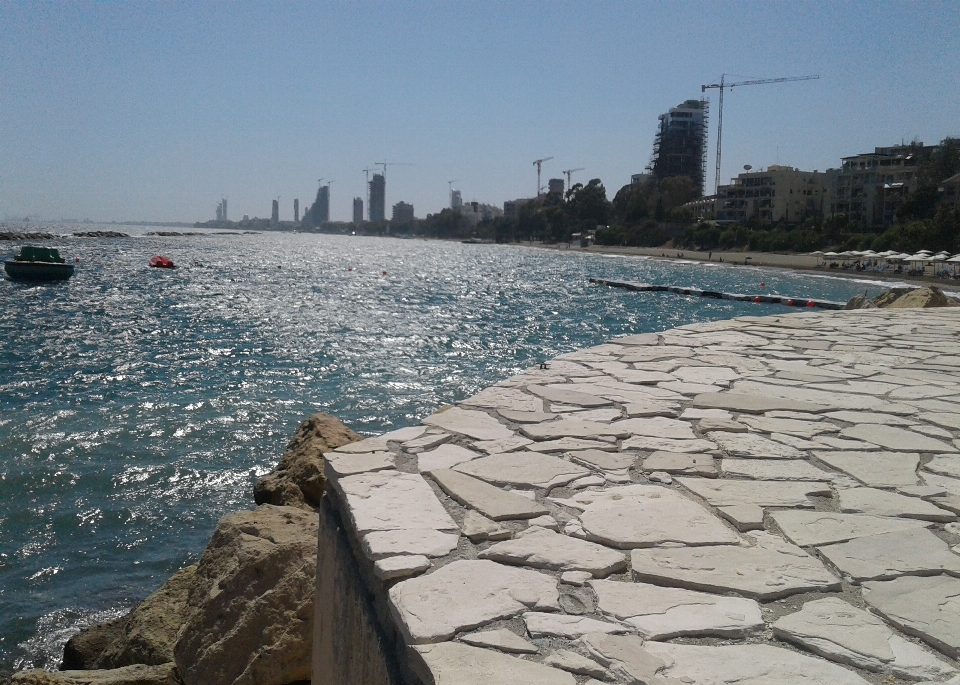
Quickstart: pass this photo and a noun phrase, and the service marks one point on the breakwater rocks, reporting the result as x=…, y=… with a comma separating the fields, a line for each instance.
x=761, y=500
x=244, y=613
x=21, y=236
x=905, y=298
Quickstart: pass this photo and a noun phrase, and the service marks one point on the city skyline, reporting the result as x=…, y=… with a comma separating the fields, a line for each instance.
x=138, y=112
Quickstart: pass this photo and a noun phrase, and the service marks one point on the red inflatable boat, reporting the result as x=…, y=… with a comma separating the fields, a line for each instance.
x=161, y=262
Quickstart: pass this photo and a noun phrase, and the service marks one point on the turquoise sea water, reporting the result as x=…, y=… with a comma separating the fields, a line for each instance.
x=138, y=405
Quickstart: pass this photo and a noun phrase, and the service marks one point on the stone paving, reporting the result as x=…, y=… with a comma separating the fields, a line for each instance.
x=762, y=500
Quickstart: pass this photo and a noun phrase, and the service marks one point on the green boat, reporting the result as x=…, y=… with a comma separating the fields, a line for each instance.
x=38, y=264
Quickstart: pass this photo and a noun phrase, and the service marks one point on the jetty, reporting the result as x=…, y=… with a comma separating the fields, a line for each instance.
x=787, y=300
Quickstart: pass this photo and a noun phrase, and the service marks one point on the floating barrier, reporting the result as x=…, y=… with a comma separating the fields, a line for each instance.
x=807, y=302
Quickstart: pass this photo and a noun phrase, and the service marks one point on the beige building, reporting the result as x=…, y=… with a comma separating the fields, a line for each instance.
x=779, y=193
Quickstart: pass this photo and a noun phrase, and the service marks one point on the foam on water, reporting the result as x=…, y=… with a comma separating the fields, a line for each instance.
x=137, y=405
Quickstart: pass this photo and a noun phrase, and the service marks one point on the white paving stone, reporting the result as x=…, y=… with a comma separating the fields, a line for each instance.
x=430, y=543
x=444, y=457
x=803, y=429
x=368, y=445
x=508, y=444
x=774, y=469
x=643, y=442
x=889, y=555
x=877, y=469
x=840, y=632
x=945, y=465
x=753, y=446
x=572, y=427
x=807, y=528
x=389, y=500
x=404, y=434
x=883, y=503
x=660, y=613
x=558, y=393
x=744, y=517
x=605, y=461
x=869, y=417
x=499, y=397
x=466, y=594
x=478, y=528
x=771, y=568
x=524, y=469
x=491, y=501
x=337, y=464
x=474, y=424
x=545, y=521
x=753, y=403
x=569, y=444
x=577, y=578
x=681, y=464
x=898, y=439
x=723, y=493
x=541, y=624
x=927, y=607
x=502, y=639
x=452, y=663
x=543, y=548
x=575, y=663
x=657, y=426
x=402, y=566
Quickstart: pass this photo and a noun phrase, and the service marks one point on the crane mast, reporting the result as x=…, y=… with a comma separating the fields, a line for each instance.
x=723, y=85
x=538, y=163
x=569, y=173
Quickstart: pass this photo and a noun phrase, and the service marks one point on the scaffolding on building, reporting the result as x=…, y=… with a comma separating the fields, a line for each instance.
x=680, y=145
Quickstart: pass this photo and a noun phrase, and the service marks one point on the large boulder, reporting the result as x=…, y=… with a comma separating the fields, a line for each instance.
x=144, y=636
x=889, y=297
x=860, y=302
x=298, y=481
x=930, y=296
x=251, y=604
x=165, y=674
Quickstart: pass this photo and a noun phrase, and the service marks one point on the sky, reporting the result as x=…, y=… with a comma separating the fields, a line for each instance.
x=154, y=111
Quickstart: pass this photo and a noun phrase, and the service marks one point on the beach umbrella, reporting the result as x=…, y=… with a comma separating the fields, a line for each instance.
x=955, y=259
x=917, y=258
x=830, y=254
x=924, y=252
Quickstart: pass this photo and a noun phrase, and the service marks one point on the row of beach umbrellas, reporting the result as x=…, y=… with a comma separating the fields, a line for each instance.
x=922, y=256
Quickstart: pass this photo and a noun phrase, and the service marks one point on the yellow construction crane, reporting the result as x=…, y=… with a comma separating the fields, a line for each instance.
x=537, y=164
x=724, y=85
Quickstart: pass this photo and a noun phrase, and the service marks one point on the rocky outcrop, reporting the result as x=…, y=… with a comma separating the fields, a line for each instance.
x=252, y=601
x=144, y=636
x=905, y=298
x=165, y=674
x=298, y=481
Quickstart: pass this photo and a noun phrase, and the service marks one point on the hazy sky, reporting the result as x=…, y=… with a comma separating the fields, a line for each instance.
x=152, y=111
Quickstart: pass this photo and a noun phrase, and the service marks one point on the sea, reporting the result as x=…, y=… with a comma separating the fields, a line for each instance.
x=139, y=405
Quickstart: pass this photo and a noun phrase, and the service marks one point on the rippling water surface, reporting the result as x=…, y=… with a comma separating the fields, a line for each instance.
x=138, y=405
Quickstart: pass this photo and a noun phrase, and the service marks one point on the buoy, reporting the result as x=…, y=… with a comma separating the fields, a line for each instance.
x=790, y=303
x=811, y=303
x=757, y=300
x=278, y=266
x=763, y=285
x=350, y=269
x=384, y=273
x=76, y=260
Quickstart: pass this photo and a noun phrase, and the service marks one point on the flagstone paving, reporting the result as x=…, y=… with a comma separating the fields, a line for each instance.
x=742, y=484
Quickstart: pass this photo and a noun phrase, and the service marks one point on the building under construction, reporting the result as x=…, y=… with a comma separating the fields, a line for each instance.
x=378, y=196
x=680, y=146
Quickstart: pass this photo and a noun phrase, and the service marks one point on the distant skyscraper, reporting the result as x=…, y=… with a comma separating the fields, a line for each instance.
x=224, y=203
x=323, y=205
x=358, y=210
x=456, y=200
x=220, y=212
x=680, y=146
x=555, y=185
x=275, y=214
x=402, y=213
x=378, y=198
x=296, y=210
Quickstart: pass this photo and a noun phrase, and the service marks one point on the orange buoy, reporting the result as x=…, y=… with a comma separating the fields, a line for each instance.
x=757, y=300
x=811, y=303
x=384, y=273
x=763, y=285
x=790, y=303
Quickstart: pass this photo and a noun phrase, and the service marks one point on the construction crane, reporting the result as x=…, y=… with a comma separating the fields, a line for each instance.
x=724, y=85
x=386, y=164
x=538, y=164
x=569, y=173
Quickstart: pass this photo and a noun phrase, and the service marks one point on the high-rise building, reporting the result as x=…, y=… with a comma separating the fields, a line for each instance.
x=220, y=212
x=402, y=213
x=378, y=198
x=680, y=146
x=296, y=210
x=322, y=214
x=555, y=185
x=224, y=203
x=456, y=200
x=358, y=210
x=275, y=214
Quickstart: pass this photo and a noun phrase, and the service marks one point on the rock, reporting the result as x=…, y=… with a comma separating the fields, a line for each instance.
x=572, y=427
x=568, y=444
x=753, y=404
x=452, y=663
x=660, y=477
x=576, y=578
x=660, y=613
x=544, y=521
x=144, y=636
x=478, y=528
x=643, y=442
x=840, y=632
x=897, y=439
x=418, y=541
x=770, y=569
x=298, y=479
x=403, y=435
x=596, y=481
x=883, y=503
x=634, y=516
x=651, y=408
x=746, y=665
x=929, y=296
x=774, y=469
x=656, y=427
x=542, y=548
x=926, y=607
x=524, y=469
x=764, y=493
x=796, y=427
x=250, y=617
x=502, y=639
x=805, y=528
x=726, y=425
x=474, y=424
x=444, y=457
x=390, y=500
x=625, y=656
x=888, y=555
x=678, y=463
x=400, y=566
x=566, y=660
x=557, y=393
x=945, y=465
x=884, y=300
x=535, y=416
x=860, y=302
x=465, y=594
x=427, y=441
x=604, y=461
x=754, y=446
x=497, y=504
x=877, y=469
x=571, y=627
x=138, y=674
x=743, y=516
